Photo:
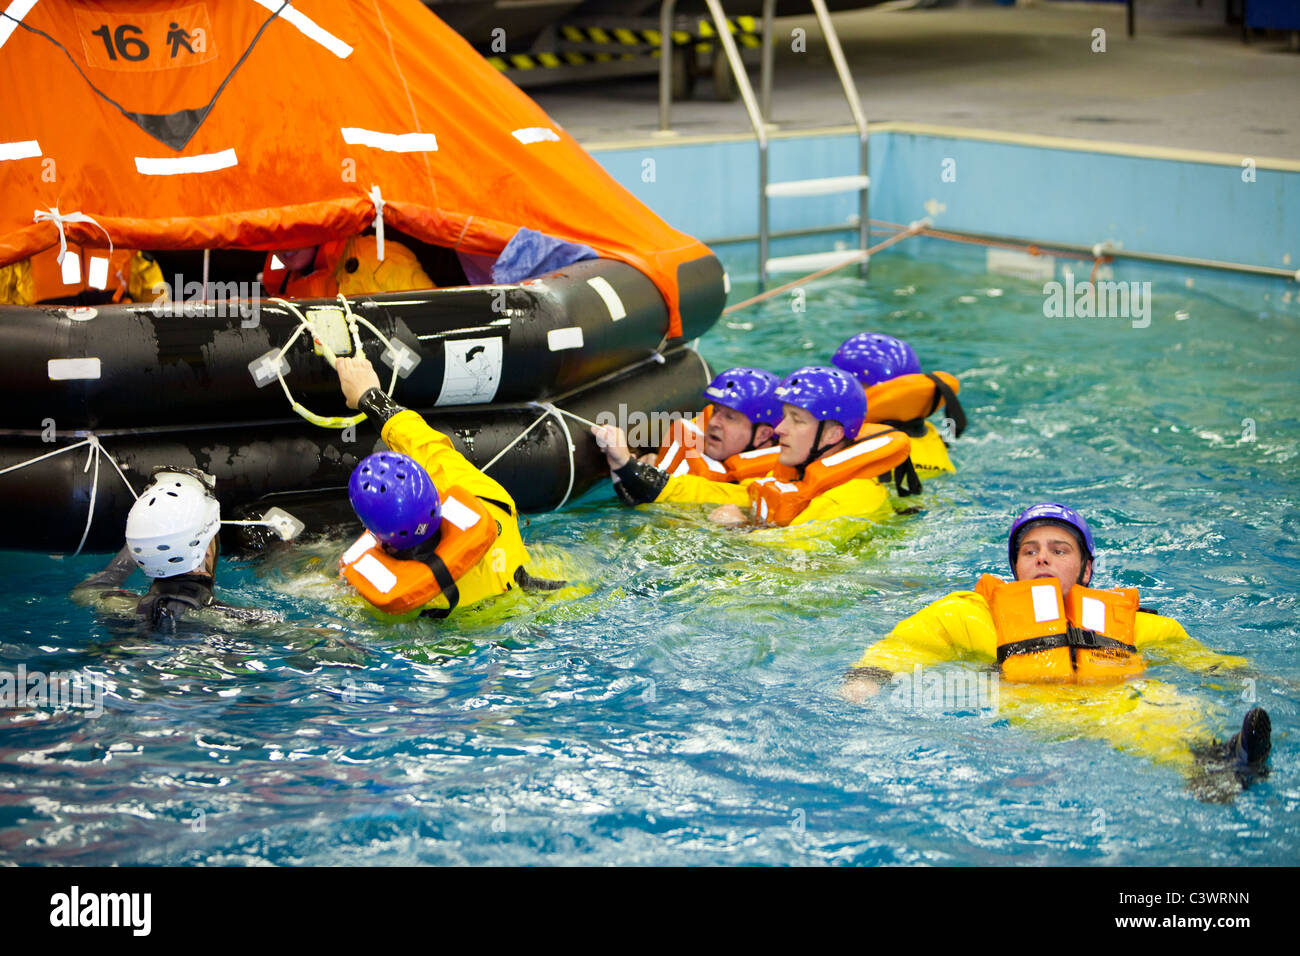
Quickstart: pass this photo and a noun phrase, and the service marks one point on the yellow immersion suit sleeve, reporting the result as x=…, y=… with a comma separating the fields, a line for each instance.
x=17, y=287
x=858, y=498
x=695, y=489
x=956, y=627
x=408, y=433
x=1162, y=639
x=930, y=454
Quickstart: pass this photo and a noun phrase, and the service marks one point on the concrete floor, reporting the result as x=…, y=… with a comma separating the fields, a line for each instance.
x=1185, y=81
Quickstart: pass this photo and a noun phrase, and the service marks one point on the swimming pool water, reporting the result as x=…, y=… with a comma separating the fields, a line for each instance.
x=680, y=704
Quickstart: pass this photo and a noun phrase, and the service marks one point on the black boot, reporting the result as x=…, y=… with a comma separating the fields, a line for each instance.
x=1251, y=745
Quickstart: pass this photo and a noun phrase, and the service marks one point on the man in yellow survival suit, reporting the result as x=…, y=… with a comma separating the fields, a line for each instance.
x=708, y=460
x=440, y=533
x=899, y=393
x=1070, y=655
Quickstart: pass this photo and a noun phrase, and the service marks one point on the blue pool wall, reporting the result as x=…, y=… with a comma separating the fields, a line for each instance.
x=1035, y=189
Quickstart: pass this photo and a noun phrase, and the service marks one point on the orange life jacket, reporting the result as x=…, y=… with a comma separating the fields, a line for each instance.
x=48, y=276
x=779, y=498
x=682, y=453
x=1086, y=639
x=908, y=399
x=397, y=586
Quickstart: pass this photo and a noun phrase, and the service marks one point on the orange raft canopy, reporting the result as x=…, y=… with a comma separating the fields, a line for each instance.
x=258, y=124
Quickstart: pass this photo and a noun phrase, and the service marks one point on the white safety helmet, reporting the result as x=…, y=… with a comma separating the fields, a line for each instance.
x=172, y=523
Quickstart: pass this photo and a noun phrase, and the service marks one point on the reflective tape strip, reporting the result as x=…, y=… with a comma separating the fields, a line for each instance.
x=855, y=450
x=373, y=570
x=714, y=465
x=1094, y=615
x=24, y=149
x=669, y=455
x=14, y=14
x=392, y=142
x=359, y=547
x=61, y=370
x=758, y=452
x=560, y=339
x=172, y=166
x=460, y=515
x=1045, y=603
x=612, y=301
x=784, y=486
x=690, y=425
x=536, y=134
x=309, y=28
x=682, y=469
x=97, y=273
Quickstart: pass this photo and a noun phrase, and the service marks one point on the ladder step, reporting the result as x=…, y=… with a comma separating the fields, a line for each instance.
x=819, y=187
x=811, y=262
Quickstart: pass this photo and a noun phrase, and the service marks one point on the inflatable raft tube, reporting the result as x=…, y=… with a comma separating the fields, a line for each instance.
x=279, y=462
x=141, y=366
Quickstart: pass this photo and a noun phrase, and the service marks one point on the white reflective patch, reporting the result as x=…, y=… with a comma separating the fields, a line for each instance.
x=854, y=450
x=14, y=14
x=759, y=452
x=71, y=268
x=359, y=547
x=373, y=570
x=462, y=516
x=612, y=301
x=683, y=469
x=536, y=134
x=1047, y=602
x=60, y=370
x=392, y=142
x=471, y=370
x=309, y=28
x=176, y=165
x=1094, y=615
x=560, y=339
x=714, y=465
x=726, y=283
x=690, y=425
x=97, y=273
x=762, y=509
x=670, y=454
x=785, y=487
x=26, y=149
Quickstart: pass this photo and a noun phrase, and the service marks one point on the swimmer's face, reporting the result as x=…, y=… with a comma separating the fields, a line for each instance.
x=797, y=432
x=729, y=432
x=1051, y=551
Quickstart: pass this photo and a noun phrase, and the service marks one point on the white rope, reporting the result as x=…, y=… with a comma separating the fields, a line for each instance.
x=568, y=439
x=561, y=411
x=32, y=461
x=517, y=439
x=94, y=490
x=54, y=216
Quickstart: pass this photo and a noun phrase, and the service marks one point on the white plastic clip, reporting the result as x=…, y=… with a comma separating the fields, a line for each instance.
x=400, y=357
x=265, y=369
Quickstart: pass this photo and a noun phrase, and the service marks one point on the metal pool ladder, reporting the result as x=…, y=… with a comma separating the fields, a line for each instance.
x=860, y=183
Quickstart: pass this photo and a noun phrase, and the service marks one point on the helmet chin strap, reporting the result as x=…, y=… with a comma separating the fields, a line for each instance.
x=817, y=448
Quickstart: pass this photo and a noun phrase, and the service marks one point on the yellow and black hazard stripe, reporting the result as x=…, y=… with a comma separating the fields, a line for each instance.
x=744, y=29
x=542, y=61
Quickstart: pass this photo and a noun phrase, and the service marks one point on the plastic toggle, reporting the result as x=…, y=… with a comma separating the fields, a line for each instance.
x=268, y=367
x=400, y=357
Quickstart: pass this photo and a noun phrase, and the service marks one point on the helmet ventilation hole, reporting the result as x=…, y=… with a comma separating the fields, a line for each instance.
x=176, y=560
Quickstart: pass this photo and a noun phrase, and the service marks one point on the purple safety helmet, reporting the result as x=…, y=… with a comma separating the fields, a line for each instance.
x=830, y=394
x=1049, y=513
x=395, y=499
x=750, y=391
x=875, y=358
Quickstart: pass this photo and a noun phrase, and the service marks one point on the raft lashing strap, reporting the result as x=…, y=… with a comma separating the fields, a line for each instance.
x=1072, y=638
x=272, y=365
x=96, y=450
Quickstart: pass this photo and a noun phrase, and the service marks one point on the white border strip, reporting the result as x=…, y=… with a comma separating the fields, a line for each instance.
x=18, y=9
x=536, y=134
x=309, y=28
x=24, y=149
x=392, y=142
x=172, y=166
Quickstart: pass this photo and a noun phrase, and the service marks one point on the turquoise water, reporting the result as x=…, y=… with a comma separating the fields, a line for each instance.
x=683, y=706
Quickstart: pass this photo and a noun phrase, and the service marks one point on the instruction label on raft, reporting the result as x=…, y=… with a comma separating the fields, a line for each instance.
x=471, y=371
